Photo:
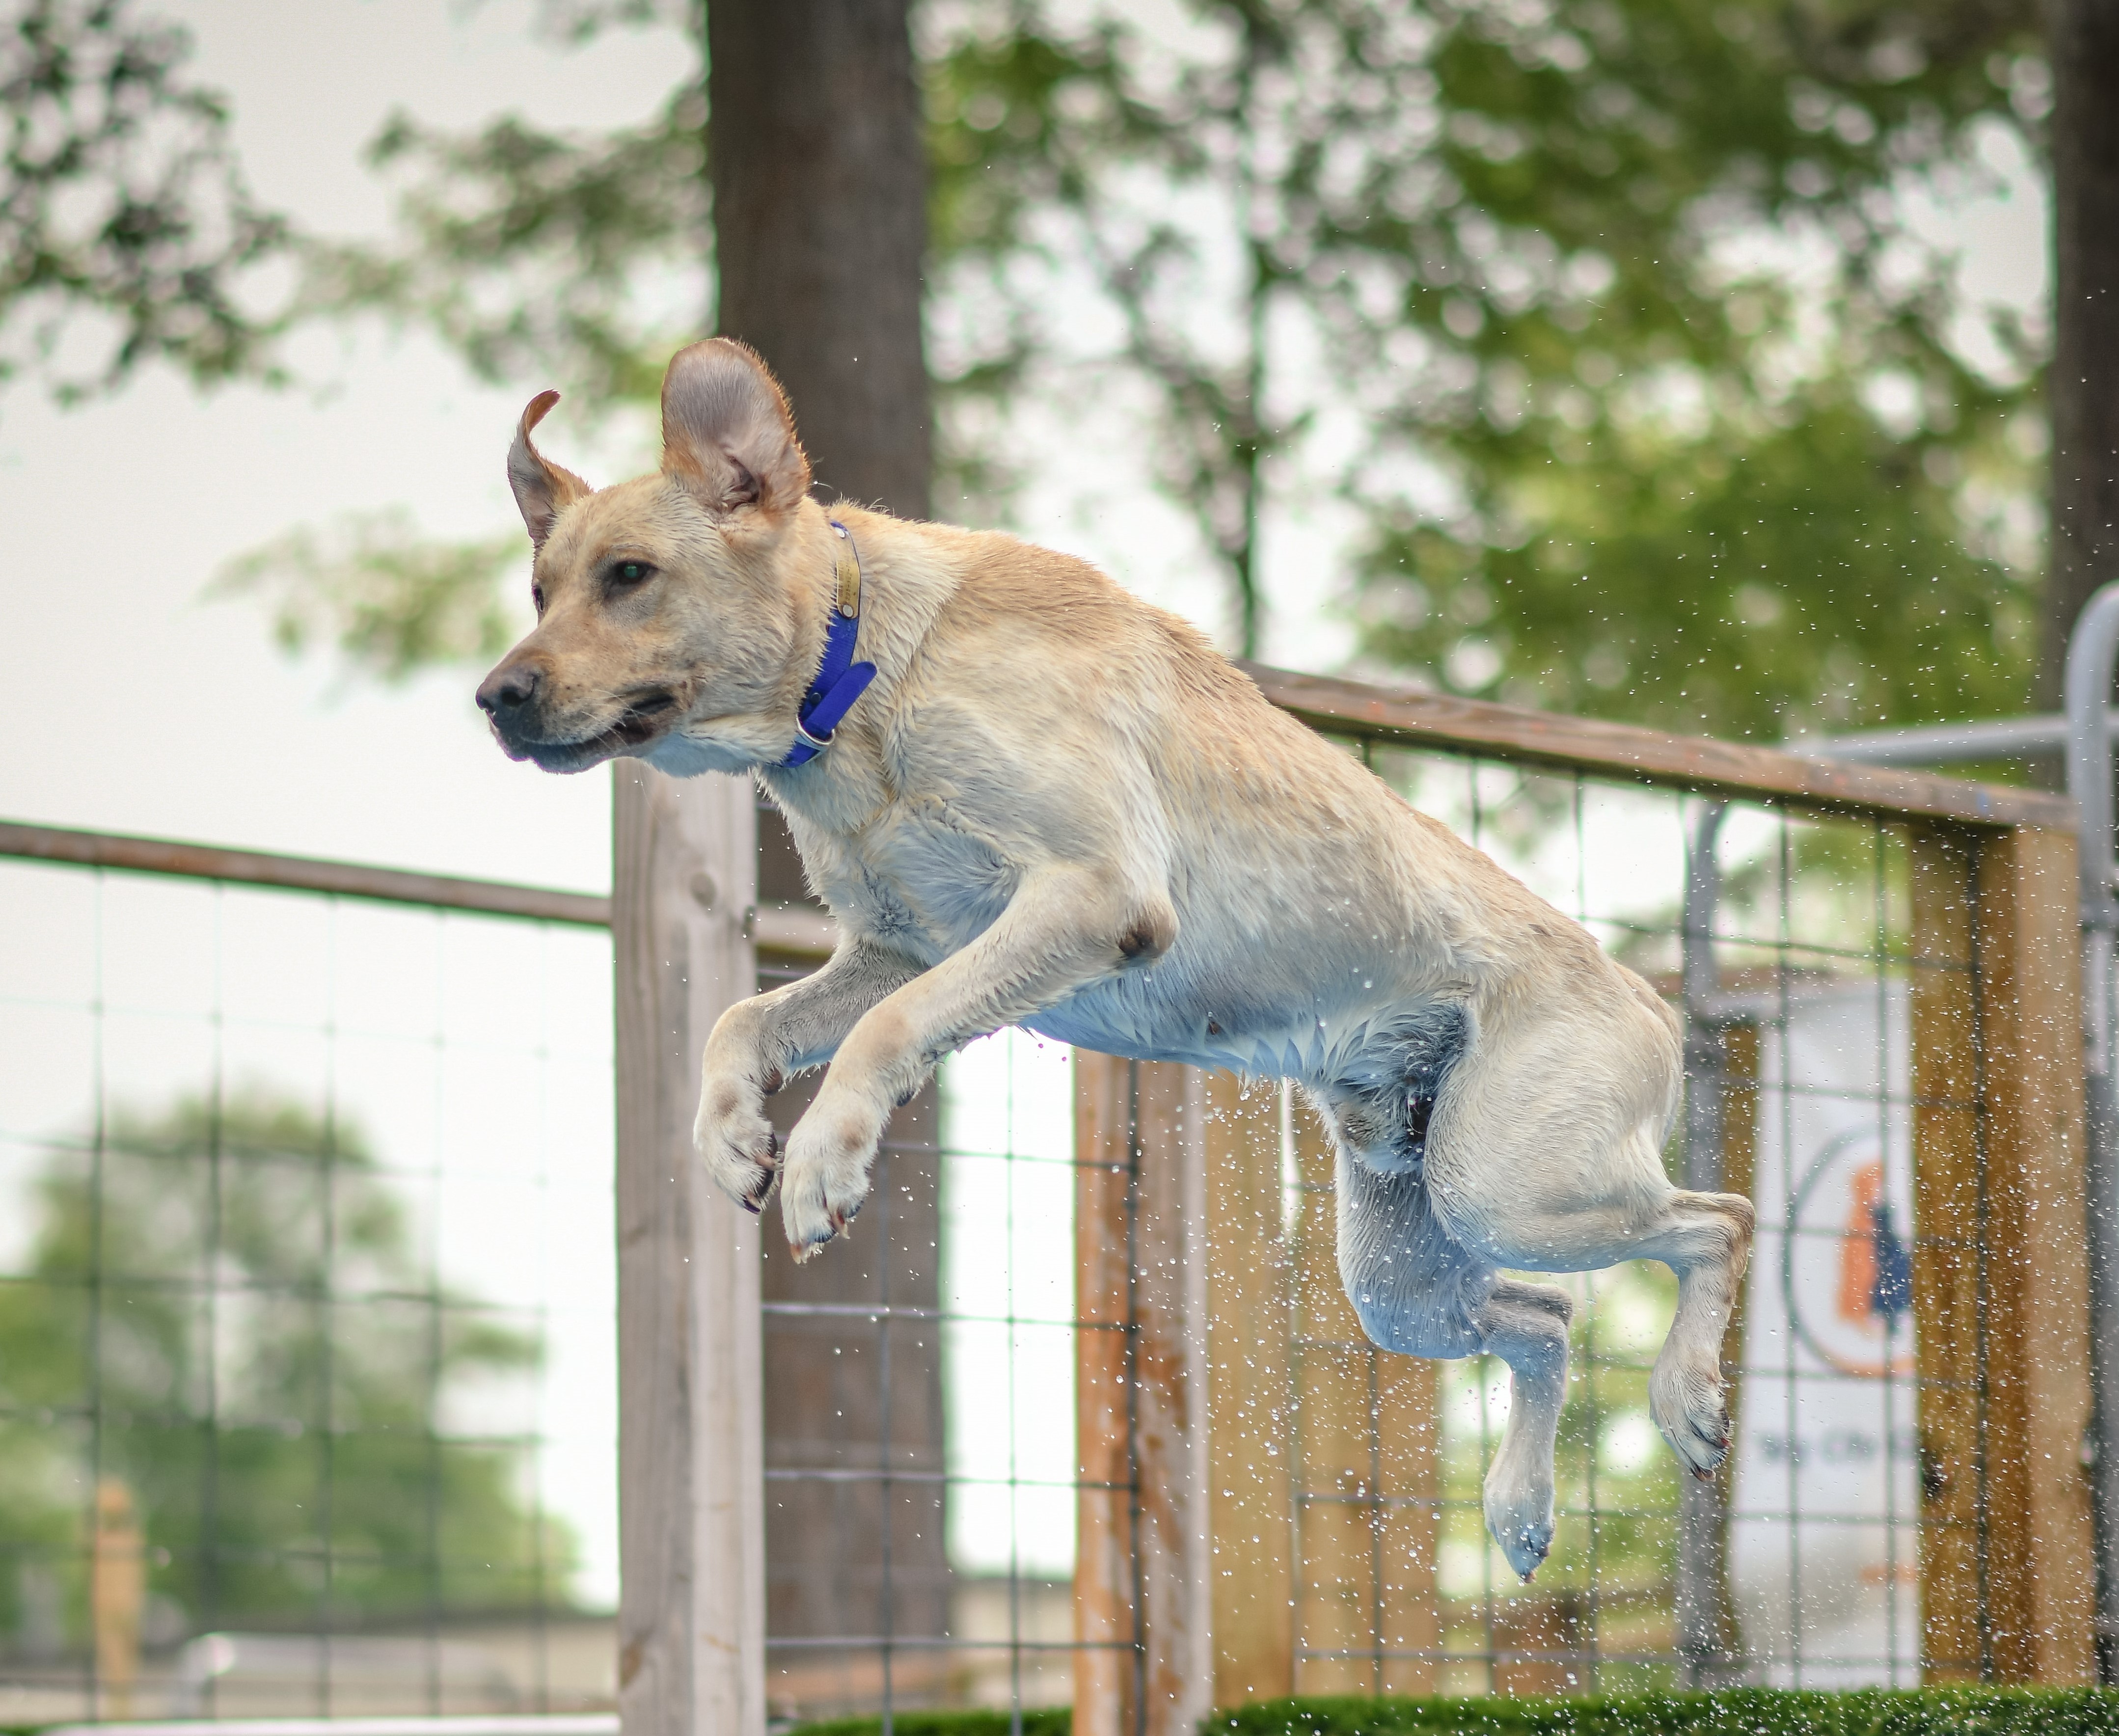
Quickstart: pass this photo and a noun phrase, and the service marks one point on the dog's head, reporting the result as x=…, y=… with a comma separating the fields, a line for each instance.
x=667, y=606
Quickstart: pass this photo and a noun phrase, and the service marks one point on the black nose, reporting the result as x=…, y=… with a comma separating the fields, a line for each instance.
x=507, y=689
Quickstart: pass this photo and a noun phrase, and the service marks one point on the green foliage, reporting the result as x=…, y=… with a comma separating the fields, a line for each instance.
x=292, y=1414
x=392, y=602
x=538, y=257
x=1815, y=574
x=1606, y=324
x=123, y=219
x=1591, y=306
x=1959, y=1711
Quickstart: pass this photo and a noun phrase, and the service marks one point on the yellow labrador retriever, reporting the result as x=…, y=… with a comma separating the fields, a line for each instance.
x=1031, y=799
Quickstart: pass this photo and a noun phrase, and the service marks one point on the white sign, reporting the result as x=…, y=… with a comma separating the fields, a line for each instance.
x=1824, y=1557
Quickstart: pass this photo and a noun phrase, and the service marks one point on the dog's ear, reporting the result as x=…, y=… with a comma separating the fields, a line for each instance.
x=541, y=487
x=727, y=434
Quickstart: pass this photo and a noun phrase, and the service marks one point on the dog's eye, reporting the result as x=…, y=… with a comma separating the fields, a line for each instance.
x=630, y=572
x=537, y=598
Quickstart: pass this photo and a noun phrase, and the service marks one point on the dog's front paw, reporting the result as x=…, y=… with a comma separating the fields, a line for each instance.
x=825, y=1175
x=735, y=1142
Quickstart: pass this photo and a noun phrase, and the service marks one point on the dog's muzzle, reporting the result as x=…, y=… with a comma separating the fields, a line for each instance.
x=511, y=696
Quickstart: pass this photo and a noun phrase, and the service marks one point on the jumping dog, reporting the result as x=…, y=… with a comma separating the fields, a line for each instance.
x=1031, y=799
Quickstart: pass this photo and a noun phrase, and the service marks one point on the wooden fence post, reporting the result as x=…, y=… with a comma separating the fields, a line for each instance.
x=691, y=1625
x=1143, y=1575
x=2001, y=1287
x=1367, y=1470
x=1251, y=1426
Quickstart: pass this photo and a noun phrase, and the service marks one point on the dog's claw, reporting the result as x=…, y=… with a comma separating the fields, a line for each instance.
x=754, y=1202
x=773, y=1081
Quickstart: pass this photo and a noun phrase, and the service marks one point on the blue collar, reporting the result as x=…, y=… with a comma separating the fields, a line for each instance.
x=839, y=680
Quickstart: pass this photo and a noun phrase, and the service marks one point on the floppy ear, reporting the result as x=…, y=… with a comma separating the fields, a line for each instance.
x=541, y=487
x=727, y=434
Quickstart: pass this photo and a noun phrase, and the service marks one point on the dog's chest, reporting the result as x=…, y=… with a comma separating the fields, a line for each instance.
x=913, y=876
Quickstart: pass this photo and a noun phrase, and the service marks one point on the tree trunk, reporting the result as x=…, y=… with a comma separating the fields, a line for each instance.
x=820, y=185
x=818, y=166
x=2083, y=389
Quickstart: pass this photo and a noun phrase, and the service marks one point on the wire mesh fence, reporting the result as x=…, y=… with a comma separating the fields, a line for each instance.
x=306, y=1318
x=306, y=1296
x=919, y=1463
x=1838, y=1012
x=1800, y=1041
x=1799, y=976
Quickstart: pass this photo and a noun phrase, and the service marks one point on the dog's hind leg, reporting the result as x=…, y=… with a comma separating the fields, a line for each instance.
x=1420, y=1293
x=1705, y=1239
x=1536, y=1193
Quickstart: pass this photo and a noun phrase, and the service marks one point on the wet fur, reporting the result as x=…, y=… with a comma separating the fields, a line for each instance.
x=1058, y=807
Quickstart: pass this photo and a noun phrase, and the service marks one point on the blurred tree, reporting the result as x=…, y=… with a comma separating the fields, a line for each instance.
x=125, y=224
x=589, y=260
x=1618, y=325
x=229, y=1312
x=1610, y=322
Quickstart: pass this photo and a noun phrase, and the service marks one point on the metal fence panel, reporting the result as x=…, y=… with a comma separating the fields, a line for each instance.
x=306, y=1302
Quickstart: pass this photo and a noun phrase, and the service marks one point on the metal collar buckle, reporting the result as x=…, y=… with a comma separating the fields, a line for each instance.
x=847, y=574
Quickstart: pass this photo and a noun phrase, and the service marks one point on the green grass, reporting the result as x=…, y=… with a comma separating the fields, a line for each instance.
x=1948, y=1711
x=1960, y=1711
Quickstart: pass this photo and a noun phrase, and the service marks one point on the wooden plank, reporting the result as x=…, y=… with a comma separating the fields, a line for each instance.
x=1740, y=1055
x=1249, y=1426
x=1722, y=1060
x=299, y=873
x=1697, y=763
x=1948, y=1302
x=809, y=933
x=691, y=1630
x=1143, y=1576
x=1367, y=1467
x=2000, y=1290
x=1739, y=1158
x=2038, y=1362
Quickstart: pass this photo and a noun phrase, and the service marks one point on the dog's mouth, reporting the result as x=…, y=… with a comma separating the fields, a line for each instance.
x=646, y=717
